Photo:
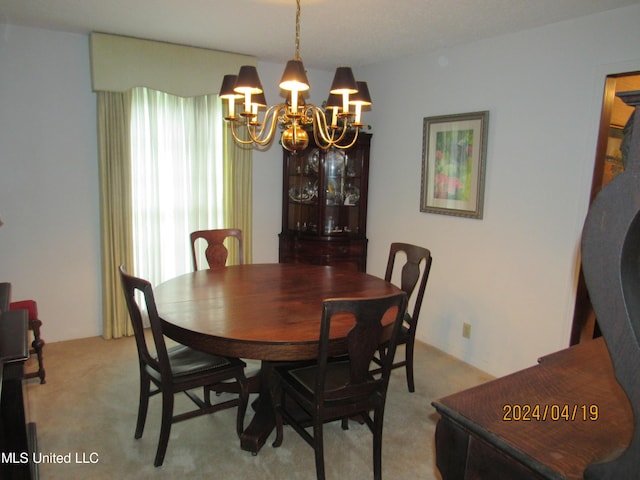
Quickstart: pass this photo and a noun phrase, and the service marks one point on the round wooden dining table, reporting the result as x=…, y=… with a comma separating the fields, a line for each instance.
x=268, y=312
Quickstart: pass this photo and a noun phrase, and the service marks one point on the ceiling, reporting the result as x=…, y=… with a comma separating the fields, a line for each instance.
x=372, y=30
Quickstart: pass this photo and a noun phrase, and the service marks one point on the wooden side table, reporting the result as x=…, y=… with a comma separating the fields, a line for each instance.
x=549, y=421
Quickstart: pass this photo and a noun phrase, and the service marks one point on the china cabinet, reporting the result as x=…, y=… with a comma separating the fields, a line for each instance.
x=324, y=206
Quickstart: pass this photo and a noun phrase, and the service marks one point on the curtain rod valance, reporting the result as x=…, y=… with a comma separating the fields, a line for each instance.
x=120, y=63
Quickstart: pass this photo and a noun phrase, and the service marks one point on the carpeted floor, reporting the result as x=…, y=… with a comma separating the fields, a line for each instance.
x=86, y=412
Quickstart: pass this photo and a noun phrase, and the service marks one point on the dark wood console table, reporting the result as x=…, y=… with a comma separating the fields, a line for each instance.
x=549, y=421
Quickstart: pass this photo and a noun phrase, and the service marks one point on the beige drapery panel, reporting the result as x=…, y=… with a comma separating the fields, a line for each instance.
x=117, y=65
x=114, y=158
x=238, y=194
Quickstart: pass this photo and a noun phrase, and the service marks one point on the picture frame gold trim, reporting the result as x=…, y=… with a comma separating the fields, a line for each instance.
x=454, y=151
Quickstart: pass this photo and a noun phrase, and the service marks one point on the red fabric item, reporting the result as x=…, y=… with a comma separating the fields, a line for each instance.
x=29, y=305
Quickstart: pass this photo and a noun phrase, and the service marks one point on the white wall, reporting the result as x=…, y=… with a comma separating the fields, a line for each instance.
x=49, y=243
x=511, y=275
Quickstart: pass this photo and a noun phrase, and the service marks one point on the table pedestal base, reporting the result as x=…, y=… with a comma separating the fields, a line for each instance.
x=256, y=433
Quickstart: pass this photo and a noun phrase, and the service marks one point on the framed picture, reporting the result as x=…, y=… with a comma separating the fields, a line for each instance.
x=454, y=150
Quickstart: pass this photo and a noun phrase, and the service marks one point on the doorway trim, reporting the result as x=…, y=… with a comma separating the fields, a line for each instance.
x=583, y=324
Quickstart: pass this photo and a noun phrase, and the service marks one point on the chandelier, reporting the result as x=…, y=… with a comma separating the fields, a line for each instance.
x=295, y=117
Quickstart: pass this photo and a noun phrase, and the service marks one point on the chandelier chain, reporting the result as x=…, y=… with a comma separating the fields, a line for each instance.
x=297, y=54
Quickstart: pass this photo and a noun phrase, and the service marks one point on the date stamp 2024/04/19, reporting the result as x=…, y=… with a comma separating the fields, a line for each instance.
x=553, y=412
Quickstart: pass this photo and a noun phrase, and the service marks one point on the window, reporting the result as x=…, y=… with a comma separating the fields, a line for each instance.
x=177, y=175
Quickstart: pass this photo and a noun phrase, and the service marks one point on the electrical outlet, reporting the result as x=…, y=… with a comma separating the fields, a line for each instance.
x=466, y=330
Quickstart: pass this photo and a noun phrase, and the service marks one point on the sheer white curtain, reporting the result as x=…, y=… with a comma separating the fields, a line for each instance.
x=177, y=178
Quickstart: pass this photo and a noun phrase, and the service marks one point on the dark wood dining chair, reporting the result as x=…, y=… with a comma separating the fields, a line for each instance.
x=176, y=369
x=336, y=388
x=414, y=272
x=216, y=252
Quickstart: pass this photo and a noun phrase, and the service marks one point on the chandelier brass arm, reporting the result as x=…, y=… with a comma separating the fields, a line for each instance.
x=259, y=133
x=326, y=139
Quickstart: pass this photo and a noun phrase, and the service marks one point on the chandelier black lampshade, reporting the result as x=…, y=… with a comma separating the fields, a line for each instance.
x=248, y=81
x=294, y=77
x=343, y=81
